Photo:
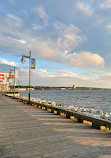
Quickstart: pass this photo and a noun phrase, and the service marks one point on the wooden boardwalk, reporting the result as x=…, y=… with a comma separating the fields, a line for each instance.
x=29, y=132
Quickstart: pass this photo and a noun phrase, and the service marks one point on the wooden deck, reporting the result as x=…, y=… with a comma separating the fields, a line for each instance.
x=29, y=132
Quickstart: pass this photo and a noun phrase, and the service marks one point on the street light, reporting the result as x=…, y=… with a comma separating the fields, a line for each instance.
x=22, y=61
x=14, y=79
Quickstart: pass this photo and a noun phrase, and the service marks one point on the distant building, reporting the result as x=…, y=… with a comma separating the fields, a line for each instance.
x=74, y=86
x=20, y=89
x=32, y=89
x=63, y=88
x=4, y=81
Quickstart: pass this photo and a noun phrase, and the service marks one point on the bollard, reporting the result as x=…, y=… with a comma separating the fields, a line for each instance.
x=89, y=123
x=55, y=112
x=102, y=128
x=62, y=114
x=85, y=122
x=43, y=108
x=49, y=110
x=72, y=117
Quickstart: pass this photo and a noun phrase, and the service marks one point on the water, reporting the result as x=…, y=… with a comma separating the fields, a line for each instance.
x=98, y=99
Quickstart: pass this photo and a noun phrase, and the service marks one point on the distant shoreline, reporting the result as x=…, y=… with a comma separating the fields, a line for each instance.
x=42, y=88
x=61, y=89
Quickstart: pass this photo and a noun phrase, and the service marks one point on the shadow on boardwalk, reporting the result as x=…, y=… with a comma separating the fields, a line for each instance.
x=29, y=132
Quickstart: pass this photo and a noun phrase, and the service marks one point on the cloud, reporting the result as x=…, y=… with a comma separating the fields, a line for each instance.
x=106, y=78
x=41, y=13
x=68, y=36
x=85, y=60
x=37, y=27
x=106, y=4
x=108, y=27
x=15, y=40
x=12, y=63
x=84, y=9
x=43, y=73
x=13, y=20
x=61, y=77
x=20, y=41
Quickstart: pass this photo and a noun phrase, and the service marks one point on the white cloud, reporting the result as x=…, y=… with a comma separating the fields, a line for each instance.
x=61, y=77
x=106, y=4
x=106, y=78
x=85, y=60
x=68, y=36
x=59, y=73
x=84, y=9
x=108, y=26
x=20, y=41
x=67, y=73
x=37, y=27
x=41, y=13
x=12, y=63
x=14, y=39
x=13, y=20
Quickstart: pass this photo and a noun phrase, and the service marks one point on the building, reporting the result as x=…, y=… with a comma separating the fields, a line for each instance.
x=74, y=86
x=6, y=79
x=4, y=82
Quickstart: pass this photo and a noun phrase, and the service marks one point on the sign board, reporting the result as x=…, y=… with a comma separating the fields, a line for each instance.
x=11, y=74
x=33, y=62
x=1, y=74
x=3, y=78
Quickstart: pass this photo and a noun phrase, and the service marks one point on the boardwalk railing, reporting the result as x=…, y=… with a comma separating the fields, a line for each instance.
x=94, y=122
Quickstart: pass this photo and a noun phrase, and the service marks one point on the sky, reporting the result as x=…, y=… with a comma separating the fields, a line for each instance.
x=70, y=40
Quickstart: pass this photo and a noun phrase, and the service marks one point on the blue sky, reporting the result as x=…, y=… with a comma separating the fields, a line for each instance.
x=70, y=39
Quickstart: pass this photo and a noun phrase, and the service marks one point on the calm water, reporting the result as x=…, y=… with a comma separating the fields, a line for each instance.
x=98, y=99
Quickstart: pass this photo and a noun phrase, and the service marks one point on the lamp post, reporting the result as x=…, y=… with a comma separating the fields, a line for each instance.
x=22, y=61
x=14, y=79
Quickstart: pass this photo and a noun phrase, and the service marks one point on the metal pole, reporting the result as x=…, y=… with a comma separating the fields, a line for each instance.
x=6, y=84
x=14, y=81
x=29, y=73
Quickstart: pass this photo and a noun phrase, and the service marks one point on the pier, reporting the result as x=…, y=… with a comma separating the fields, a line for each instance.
x=28, y=131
